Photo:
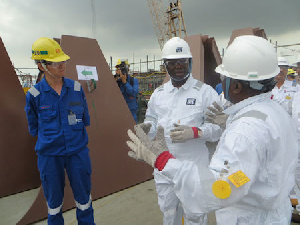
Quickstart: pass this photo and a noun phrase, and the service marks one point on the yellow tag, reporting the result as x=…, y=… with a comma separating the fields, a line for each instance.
x=238, y=178
x=288, y=97
x=221, y=189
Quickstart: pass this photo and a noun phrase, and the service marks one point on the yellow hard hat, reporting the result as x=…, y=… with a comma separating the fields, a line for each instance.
x=291, y=72
x=49, y=50
x=120, y=61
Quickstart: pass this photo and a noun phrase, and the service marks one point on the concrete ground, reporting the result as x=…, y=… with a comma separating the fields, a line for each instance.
x=133, y=206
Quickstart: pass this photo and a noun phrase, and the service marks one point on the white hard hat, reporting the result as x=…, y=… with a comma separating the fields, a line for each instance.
x=282, y=61
x=249, y=58
x=176, y=48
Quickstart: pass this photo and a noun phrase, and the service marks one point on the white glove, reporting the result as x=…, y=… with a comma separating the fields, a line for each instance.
x=182, y=133
x=145, y=126
x=215, y=115
x=142, y=148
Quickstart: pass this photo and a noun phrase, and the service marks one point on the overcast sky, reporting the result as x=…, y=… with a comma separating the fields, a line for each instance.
x=124, y=28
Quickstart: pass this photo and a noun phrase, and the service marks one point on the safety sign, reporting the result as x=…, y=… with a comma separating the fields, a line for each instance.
x=87, y=72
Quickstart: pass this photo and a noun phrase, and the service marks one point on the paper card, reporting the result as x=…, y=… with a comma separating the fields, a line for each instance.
x=87, y=72
x=238, y=178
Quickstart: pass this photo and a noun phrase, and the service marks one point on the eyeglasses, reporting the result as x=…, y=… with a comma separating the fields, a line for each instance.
x=174, y=62
x=55, y=64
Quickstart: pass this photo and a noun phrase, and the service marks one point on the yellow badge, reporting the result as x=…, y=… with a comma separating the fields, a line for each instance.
x=238, y=178
x=288, y=97
x=221, y=189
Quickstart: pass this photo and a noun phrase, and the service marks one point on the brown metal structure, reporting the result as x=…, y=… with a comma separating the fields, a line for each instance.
x=18, y=164
x=247, y=31
x=212, y=59
x=110, y=117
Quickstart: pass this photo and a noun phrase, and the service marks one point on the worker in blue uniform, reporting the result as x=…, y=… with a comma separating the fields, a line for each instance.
x=128, y=85
x=57, y=114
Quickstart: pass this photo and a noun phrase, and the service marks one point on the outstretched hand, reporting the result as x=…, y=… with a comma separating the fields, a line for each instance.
x=142, y=148
x=215, y=115
x=145, y=126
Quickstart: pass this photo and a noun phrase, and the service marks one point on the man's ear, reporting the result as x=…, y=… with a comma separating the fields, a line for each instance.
x=41, y=67
x=237, y=87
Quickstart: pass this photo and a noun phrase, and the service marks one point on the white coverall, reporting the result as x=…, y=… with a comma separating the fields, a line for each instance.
x=186, y=106
x=285, y=97
x=257, y=131
x=296, y=118
x=285, y=93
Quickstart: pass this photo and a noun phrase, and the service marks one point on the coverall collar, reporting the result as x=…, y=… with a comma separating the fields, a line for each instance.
x=242, y=104
x=46, y=87
x=186, y=86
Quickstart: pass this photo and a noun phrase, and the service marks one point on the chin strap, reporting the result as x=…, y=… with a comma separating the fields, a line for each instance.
x=182, y=79
x=45, y=68
x=227, y=82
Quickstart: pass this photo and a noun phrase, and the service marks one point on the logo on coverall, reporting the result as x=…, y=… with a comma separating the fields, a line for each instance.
x=191, y=101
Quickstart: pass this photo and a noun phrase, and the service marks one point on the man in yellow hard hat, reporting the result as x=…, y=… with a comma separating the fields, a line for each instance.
x=57, y=114
x=129, y=86
x=291, y=74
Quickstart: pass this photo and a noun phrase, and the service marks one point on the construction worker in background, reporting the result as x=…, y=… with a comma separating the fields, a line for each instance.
x=252, y=170
x=291, y=74
x=57, y=114
x=283, y=93
x=297, y=69
x=128, y=85
x=284, y=89
x=179, y=106
x=295, y=194
x=298, y=65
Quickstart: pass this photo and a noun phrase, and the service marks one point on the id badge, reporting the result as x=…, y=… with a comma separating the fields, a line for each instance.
x=72, y=119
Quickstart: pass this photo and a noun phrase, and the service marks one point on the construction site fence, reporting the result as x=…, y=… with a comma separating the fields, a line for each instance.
x=148, y=82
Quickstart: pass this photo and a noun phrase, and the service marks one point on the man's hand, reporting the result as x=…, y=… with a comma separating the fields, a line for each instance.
x=142, y=148
x=123, y=77
x=182, y=133
x=215, y=115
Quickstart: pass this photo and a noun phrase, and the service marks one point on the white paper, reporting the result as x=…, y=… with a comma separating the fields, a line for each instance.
x=87, y=72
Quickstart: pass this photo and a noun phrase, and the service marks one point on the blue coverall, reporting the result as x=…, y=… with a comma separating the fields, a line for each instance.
x=59, y=122
x=130, y=93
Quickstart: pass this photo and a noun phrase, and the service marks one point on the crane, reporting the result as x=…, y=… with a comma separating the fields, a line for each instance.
x=176, y=25
x=168, y=21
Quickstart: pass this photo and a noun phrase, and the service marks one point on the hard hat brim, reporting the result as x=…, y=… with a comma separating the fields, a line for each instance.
x=61, y=58
x=246, y=77
x=177, y=57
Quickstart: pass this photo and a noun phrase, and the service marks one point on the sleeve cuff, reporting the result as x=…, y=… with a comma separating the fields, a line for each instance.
x=162, y=160
x=196, y=131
